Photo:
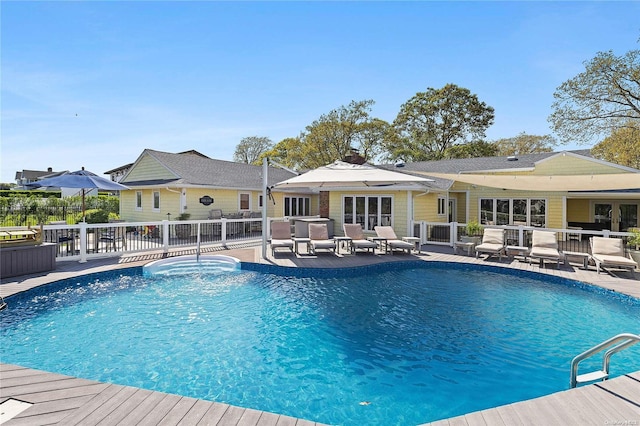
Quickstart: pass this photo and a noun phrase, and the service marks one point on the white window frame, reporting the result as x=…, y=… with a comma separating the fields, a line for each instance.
x=300, y=203
x=367, y=225
x=139, y=201
x=442, y=203
x=494, y=212
x=240, y=194
x=153, y=201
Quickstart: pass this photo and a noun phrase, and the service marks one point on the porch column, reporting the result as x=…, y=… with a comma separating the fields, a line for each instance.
x=324, y=204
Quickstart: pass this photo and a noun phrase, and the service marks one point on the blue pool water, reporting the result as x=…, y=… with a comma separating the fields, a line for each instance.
x=402, y=344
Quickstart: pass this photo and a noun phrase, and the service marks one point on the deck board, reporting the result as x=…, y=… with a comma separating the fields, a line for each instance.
x=65, y=400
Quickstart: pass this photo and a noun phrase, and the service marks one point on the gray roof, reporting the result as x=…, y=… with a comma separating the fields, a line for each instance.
x=194, y=169
x=478, y=164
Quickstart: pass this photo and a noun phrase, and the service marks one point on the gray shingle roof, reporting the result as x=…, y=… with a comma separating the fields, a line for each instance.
x=194, y=169
x=524, y=161
x=479, y=164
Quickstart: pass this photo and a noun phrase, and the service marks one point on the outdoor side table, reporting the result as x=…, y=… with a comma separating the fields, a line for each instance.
x=297, y=241
x=517, y=251
x=467, y=245
x=382, y=243
x=343, y=241
x=580, y=255
x=415, y=241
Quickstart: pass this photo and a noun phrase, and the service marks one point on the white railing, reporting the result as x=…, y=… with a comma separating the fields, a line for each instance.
x=575, y=240
x=85, y=241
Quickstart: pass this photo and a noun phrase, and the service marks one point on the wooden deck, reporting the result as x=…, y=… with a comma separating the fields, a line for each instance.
x=59, y=399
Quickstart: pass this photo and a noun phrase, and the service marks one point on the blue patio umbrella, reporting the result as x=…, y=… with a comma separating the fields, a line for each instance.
x=81, y=179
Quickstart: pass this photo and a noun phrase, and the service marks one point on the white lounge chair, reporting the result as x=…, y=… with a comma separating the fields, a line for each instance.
x=492, y=243
x=281, y=236
x=391, y=240
x=544, y=246
x=609, y=253
x=319, y=238
x=358, y=240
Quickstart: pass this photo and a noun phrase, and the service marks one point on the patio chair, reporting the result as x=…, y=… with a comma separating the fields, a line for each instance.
x=280, y=236
x=492, y=243
x=112, y=235
x=358, y=240
x=215, y=214
x=391, y=240
x=544, y=246
x=319, y=238
x=609, y=253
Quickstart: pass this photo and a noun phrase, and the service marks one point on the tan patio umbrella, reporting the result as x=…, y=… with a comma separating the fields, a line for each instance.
x=548, y=183
x=341, y=174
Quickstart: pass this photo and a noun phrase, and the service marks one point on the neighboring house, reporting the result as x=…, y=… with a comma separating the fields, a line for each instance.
x=25, y=177
x=164, y=183
x=552, y=190
x=118, y=173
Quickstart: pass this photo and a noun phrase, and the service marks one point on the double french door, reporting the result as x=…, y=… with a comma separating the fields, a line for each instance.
x=616, y=216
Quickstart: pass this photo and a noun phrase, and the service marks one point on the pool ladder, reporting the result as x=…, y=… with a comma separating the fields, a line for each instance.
x=614, y=345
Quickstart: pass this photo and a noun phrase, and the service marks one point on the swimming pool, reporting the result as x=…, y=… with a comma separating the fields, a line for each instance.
x=405, y=343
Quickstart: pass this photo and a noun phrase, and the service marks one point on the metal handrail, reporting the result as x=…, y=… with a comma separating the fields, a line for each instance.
x=627, y=340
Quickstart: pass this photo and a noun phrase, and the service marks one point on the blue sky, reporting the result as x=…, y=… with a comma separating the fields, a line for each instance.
x=94, y=83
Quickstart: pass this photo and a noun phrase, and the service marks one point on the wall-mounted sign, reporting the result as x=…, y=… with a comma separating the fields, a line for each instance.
x=206, y=200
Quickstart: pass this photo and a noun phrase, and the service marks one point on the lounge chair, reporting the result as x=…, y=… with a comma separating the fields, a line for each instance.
x=281, y=236
x=391, y=240
x=544, y=245
x=609, y=253
x=492, y=243
x=319, y=238
x=358, y=240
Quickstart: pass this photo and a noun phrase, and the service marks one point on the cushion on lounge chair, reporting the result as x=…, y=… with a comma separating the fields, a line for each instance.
x=281, y=236
x=610, y=252
x=544, y=245
x=492, y=242
x=393, y=242
x=607, y=246
x=358, y=240
x=319, y=236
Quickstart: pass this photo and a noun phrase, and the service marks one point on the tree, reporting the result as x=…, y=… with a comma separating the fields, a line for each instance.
x=251, y=148
x=472, y=150
x=525, y=144
x=621, y=147
x=333, y=135
x=287, y=152
x=605, y=97
x=433, y=121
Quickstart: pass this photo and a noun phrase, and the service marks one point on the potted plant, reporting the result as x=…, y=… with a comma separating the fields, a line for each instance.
x=183, y=230
x=473, y=232
x=634, y=244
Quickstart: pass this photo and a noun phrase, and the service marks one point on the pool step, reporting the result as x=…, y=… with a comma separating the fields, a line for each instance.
x=592, y=377
x=611, y=346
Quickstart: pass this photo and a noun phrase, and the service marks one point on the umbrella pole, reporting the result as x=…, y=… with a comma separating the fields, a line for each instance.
x=83, y=207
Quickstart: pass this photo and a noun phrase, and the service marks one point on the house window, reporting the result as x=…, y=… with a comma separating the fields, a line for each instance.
x=297, y=206
x=139, y=200
x=502, y=212
x=245, y=201
x=519, y=212
x=486, y=212
x=260, y=201
x=442, y=202
x=368, y=211
x=513, y=211
x=156, y=201
x=538, y=212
